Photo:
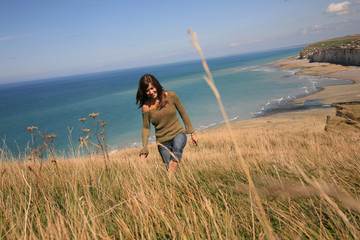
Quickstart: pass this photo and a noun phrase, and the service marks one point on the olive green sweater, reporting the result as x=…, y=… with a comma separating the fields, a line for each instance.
x=165, y=121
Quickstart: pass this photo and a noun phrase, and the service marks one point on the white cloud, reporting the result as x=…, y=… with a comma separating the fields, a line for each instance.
x=317, y=27
x=313, y=29
x=255, y=41
x=9, y=37
x=343, y=8
x=236, y=44
x=164, y=55
x=334, y=29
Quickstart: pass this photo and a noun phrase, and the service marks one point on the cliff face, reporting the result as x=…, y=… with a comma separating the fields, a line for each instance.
x=339, y=56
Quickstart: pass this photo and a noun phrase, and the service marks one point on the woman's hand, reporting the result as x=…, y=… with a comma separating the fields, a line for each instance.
x=194, y=139
x=143, y=155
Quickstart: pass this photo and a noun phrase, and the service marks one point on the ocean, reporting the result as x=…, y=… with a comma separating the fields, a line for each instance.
x=249, y=87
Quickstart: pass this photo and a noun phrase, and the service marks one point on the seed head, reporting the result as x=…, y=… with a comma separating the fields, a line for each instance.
x=30, y=129
x=82, y=119
x=86, y=130
x=93, y=115
x=51, y=136
x=102, y=124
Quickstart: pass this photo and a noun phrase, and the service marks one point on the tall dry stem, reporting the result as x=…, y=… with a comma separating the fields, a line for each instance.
x=28, y=207
x=31, y=130
x=71, y=146
x=210, y=81
x=102, y=141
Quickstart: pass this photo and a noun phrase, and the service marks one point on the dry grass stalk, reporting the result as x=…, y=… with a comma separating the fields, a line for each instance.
x=31, y=130
x=101, y=140
x=27, y=209
x=71, y=145
x=209, y=80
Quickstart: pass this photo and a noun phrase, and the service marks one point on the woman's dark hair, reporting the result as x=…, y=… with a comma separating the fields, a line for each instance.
x=141, y=96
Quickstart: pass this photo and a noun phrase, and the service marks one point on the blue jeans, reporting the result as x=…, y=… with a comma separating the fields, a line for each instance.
x=175, y=146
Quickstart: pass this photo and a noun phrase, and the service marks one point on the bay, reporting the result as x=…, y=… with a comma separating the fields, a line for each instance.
x=248, y=84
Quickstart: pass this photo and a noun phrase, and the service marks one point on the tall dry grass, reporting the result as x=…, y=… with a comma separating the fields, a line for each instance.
x=306, y=184
x=207, y=199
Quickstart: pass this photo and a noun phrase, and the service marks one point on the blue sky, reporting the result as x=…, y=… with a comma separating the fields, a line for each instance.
x=50, y=38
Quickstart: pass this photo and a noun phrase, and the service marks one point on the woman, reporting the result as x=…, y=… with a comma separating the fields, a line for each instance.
x=160, y=108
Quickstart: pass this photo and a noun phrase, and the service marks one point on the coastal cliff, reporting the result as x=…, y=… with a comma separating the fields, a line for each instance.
x=338, y=56
x=342, y=50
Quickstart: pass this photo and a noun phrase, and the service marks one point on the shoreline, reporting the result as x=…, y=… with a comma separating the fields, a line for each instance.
x=298, y=115
x=304, y=113
x=328, y=94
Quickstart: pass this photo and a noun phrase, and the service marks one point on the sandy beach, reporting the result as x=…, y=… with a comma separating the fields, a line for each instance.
x=311, y=119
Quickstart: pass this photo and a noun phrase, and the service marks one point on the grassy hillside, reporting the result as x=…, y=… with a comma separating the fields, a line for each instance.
x=308, y=182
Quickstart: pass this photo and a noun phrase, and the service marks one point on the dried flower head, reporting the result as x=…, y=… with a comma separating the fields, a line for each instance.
x=93, y=115
x=86, y=130
x=102, y=124
x=82, y=119
x=102, y=133
x=30, y=129
x=51, y=136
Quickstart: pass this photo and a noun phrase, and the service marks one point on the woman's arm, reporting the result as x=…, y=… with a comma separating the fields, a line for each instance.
x=185, y=117
x=145, y=135
x=180, y=108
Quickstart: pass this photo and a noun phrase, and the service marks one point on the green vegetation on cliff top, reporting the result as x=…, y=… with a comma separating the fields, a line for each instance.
x=335, y=42
x=347, y=42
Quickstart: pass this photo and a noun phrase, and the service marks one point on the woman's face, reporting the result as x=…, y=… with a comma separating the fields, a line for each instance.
x=151, y=91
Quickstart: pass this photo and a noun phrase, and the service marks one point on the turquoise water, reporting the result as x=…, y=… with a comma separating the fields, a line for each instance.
x=249, y=87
